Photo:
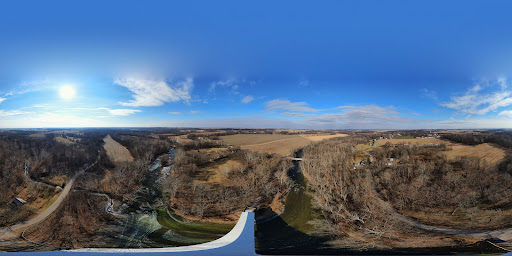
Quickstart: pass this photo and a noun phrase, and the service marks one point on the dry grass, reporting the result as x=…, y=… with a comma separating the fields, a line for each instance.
x=211, y=150
x=64, y=140
x=217, y=173
x=282, y=147
x=38, y=197
x=115, y=151
x=56, y=180
x=409, y=141
x=251, y=139
x=79, y=222
x=184, y=140
x=320, y=136
x=281, y=144
x=487, y=152
x=482, y=219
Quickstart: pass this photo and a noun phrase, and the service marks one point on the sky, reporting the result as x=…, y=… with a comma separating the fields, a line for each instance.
x=256, y=64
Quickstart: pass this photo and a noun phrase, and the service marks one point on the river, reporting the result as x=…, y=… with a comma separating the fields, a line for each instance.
x=150, y=224
x=300, y=229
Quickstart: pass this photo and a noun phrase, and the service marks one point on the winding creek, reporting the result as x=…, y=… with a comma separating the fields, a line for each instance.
x=297, y=229
x=150, y=224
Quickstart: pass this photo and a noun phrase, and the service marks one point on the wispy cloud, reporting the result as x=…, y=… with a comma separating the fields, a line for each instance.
x=13, y=112
x=33, y=86
x=429, y=94
x=155, y=92
x=349, y=117
x=230, y=83
x=303, y=83
x=365, y=117
x=507, y=113
x=502, y=81
x=194, y=111
x=296, y=114
x=2, y=99
x=50, y=119
x=247, y=99
x=477, y=102
x=174, y=113
x=121, y=112
x=286, y=105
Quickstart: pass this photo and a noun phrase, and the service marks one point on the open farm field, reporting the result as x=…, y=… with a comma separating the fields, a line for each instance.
x=281, y=147
x=64, y=140
x=251, y=139
x=487, y=152
x=281, y=144
x=115, y=151
x=410, y=141
x=320, y=137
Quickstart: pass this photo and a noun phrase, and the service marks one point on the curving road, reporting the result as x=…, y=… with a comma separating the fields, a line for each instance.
x=504, y=234
x=28, y=179
x=10, y=232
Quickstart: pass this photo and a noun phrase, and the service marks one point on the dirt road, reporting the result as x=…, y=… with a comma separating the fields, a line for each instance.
x=10, y=232
x=504, y=234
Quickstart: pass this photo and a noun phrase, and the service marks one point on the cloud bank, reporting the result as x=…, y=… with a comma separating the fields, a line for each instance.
x=280, y=105
x=149, y=93
x=121, y=112
x=482, y=98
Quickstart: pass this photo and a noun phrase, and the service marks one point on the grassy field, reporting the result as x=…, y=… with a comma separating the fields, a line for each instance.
x=450, y=217
x=216, y=173
x=64, y=140
x=38, y=197
x=409, y=141
x=251, y=139
x=487, y=152
x=59, y=180
x=320, y=137
x=115, y=151
x=281, y=144
x=281, y=147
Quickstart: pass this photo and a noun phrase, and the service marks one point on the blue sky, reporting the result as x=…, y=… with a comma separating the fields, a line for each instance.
x=264, y=64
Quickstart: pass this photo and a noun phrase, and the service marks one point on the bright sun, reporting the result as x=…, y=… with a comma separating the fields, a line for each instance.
x=67, y=92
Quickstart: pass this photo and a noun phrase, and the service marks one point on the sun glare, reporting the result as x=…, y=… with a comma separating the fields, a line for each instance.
x=67, y=92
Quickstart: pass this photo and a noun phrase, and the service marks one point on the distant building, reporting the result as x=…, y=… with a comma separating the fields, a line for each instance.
x=18, y=201
x=390, y=161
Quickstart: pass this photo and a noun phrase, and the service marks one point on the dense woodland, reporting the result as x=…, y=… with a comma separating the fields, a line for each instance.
x=256, y=182
x=363, y=200
x=120, y=180
x=47, y=159
x=342, y=193
x=360, y=200
x=422, y=179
